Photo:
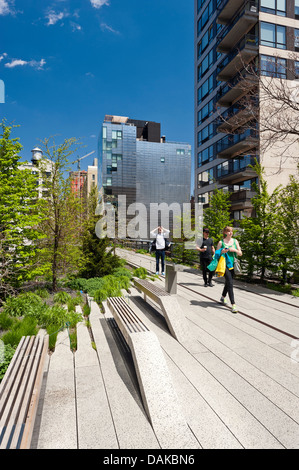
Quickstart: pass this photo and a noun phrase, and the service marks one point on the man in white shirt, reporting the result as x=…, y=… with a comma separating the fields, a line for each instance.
x=160, y=234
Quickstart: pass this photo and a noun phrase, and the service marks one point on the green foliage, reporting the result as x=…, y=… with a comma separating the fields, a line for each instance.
x=7, y=357
x=43, y=293
x=140, y=272
x=24, y=304
x=62, y=298
x=52, y=330
x=20, y=214
x=98, y=258
x=86, y=310
x=217, y=215
x=111, y=287
x=62, y=211
x=259, y=238
x=6, y=321
x=25, y=327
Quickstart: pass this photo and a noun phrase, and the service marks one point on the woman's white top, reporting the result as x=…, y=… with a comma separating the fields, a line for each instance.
x=160, y=238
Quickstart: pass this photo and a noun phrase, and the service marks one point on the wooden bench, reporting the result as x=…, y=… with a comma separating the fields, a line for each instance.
x=158, y=394
x=170, y=307
x=19, y=392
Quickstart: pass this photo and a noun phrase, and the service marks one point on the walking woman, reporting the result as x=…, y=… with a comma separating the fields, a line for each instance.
x=230, y=248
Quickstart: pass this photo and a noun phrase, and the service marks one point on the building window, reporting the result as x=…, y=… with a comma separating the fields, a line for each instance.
x=104, y=132
x=205, y=156
x=275, y=7
x=297, y=8
x=296, y=69
x=180, y=151
x=205, y=134
x=205, y=89
x=116, y=135
x=204, y=42
x=273, y=35
x=273, y=66
x=205, y=65
x=204, y=18
x=205, y=178
x=162, y=160
x=205, y=112
x=296, y=39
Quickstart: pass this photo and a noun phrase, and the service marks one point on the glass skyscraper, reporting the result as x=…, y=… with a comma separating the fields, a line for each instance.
x=136, y=162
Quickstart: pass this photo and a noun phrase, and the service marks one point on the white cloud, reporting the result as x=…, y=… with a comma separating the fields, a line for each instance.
x=53, y=17
x=39, y=65
x=5, y=7
x=106, y=27
x=3, y=56
x=99, y=3
x=75, y=26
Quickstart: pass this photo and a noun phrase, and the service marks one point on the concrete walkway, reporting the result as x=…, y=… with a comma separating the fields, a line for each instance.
x=237, y=382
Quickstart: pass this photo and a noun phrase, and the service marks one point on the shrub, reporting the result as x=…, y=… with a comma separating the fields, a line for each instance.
x=6, y=321
x=43, y=293
x=140, y=272
x=62, y=297
x=25, y=327
x=111, y=287
x=23, y=304
x=6, y=359
x=123, y=272
x=52, y=331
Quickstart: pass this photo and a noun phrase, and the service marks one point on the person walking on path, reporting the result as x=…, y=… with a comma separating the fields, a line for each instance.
x=160, y=234
x=207, y=250
x=230, y=248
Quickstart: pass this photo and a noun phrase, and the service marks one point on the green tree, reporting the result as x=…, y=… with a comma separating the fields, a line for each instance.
x=98, y=258
x=20, y=214
x=217, y=215
x=260, y=236
x=288, y=224
x=62, y=210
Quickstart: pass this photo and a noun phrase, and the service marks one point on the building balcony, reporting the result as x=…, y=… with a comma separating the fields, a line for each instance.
x=241, y=199
x=236, y=116
x=233, y=90
x=228, y=9
x=243, y=53
x=237, y=144
x=245, y=18
x=236, y=171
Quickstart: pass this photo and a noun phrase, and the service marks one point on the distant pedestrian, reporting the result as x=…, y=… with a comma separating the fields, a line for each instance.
x=230, y=248
x=207, y=251
x=160, y=234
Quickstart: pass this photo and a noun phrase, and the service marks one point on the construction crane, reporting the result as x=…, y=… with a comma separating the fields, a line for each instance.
x=81, y=158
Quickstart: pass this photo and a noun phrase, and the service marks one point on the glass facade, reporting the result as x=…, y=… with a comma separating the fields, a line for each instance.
x=145, y=172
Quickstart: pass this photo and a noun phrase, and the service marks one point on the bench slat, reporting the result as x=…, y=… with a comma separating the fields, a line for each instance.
x=24, y=428
x=128, y=316
x=16, y=395
x=12, y=369
x=17, y=390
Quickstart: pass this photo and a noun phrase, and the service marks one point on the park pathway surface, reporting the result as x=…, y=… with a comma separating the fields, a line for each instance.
x=237, y=381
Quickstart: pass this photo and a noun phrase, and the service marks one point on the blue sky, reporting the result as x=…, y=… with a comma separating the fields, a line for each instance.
x=67, y=63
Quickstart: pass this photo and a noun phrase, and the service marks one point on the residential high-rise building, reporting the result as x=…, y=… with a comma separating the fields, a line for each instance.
x=239, y=45
x=136, y=162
